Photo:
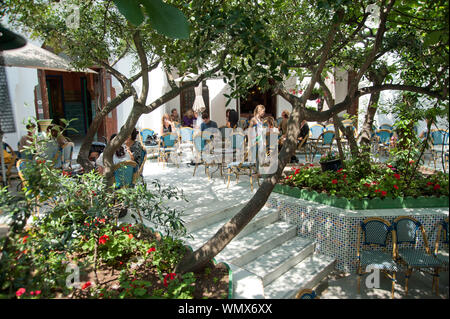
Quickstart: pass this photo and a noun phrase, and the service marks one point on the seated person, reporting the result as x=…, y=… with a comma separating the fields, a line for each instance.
x=188, y=119
x=174, y=117
x=119, y=156
x=207, y=123
x=134, y=148
x=270, y=121
x=167, y=125
x=232, y=118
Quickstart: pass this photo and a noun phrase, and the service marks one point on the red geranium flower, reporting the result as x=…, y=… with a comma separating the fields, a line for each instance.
x=130, y=236
x=37, y=292
x=24, y=239
x=86, y=285
x=103, y=239
x=390, y=166
x=20, y=292
x=367, y=184
x=429, y=183
x=151, y=249
x=383, y=193
x=437, y=186
x=334, y=181
x=411, y=162
x=169, y=276
x=395, y=186
x=397, y=176
x=311, y=165
x=340, y=170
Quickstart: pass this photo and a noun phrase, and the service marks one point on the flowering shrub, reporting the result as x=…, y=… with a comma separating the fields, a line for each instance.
x=378, y=181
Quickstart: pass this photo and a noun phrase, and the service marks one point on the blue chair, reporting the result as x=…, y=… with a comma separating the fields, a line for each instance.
x=145, y=133
x=306, y=294
x=186, y=137
x=123, y=174
x=386, y=127
x=374, y=232
x=315, y=131
x=168, y=146
x=383, y=139
x=329, y=127
x=323, y=144
x=202, y=150
x=406, y=232
x=439, y=143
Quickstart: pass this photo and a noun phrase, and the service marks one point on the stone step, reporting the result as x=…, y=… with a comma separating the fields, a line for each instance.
x=265, y=217
x=241, y=251
x=306, y=274
x=280, y=259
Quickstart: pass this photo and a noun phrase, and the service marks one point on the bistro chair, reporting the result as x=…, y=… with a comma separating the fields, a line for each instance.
x=246, y=165
x=306, y=294
x=10, y=158
x=186, y=138
x=439, y=138
x=329, y=127
x=442, y=238
x=202, y=152
x=315, y=131
x=375, y=233
x=323, y=144
x=138, y=173
x=168, y=147
x=383, y=139
x=145, y=133
x=406, y=233
x=385, y=126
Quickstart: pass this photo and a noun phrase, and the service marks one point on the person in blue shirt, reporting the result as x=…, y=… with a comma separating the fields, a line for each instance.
x=207, y=123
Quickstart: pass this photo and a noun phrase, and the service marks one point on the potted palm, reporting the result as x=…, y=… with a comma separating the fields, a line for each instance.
x=330, y=161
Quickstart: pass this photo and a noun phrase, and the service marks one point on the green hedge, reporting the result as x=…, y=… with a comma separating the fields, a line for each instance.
x=358, y=204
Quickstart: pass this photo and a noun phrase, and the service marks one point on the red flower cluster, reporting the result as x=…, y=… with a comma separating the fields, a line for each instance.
x=24, y=239
x=397, y=176
x=86, y=285
x=66, y=173
x=126, y=229
x=103, y=239
x=130, y=236
x=395, y=186
x=151, y=249
x=334, y=181
x=169, y=276
x=40, y=161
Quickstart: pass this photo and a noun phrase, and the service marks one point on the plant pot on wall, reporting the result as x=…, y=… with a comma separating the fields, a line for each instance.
x=43, y=124
x=332, y=165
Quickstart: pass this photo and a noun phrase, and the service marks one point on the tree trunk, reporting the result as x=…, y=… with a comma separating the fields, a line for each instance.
x=197, y=260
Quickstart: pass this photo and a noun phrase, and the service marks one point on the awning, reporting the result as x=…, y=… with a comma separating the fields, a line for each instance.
x=32, y=56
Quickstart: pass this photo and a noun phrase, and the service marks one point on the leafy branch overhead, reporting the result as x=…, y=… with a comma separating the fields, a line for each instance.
x=164, y=18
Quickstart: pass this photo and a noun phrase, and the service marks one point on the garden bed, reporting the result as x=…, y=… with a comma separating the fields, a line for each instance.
x=365, y=203
x=374, y=186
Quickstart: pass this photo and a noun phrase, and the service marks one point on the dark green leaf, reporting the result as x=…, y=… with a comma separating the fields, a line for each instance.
x=166, y=19
x=131, y=10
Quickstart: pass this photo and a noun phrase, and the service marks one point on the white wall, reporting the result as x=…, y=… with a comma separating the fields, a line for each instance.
x=217, y=101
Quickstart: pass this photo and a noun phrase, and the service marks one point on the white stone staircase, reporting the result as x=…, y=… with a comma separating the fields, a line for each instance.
x=268, y=250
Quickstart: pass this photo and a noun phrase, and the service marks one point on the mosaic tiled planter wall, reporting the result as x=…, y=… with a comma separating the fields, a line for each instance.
x=335, y=229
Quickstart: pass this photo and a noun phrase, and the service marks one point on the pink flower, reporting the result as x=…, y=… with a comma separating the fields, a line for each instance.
x=20, y=292
x=37, y=292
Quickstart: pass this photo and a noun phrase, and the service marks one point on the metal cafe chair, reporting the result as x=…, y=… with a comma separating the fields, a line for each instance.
x=306, y=294
x=442, y=240
x=406, y=233
x=375, y=234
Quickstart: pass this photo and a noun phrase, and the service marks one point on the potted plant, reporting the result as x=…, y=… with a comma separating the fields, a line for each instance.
x=330, y=162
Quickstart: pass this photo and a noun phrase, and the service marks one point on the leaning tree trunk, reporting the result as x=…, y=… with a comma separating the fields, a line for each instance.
x=197, y=260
